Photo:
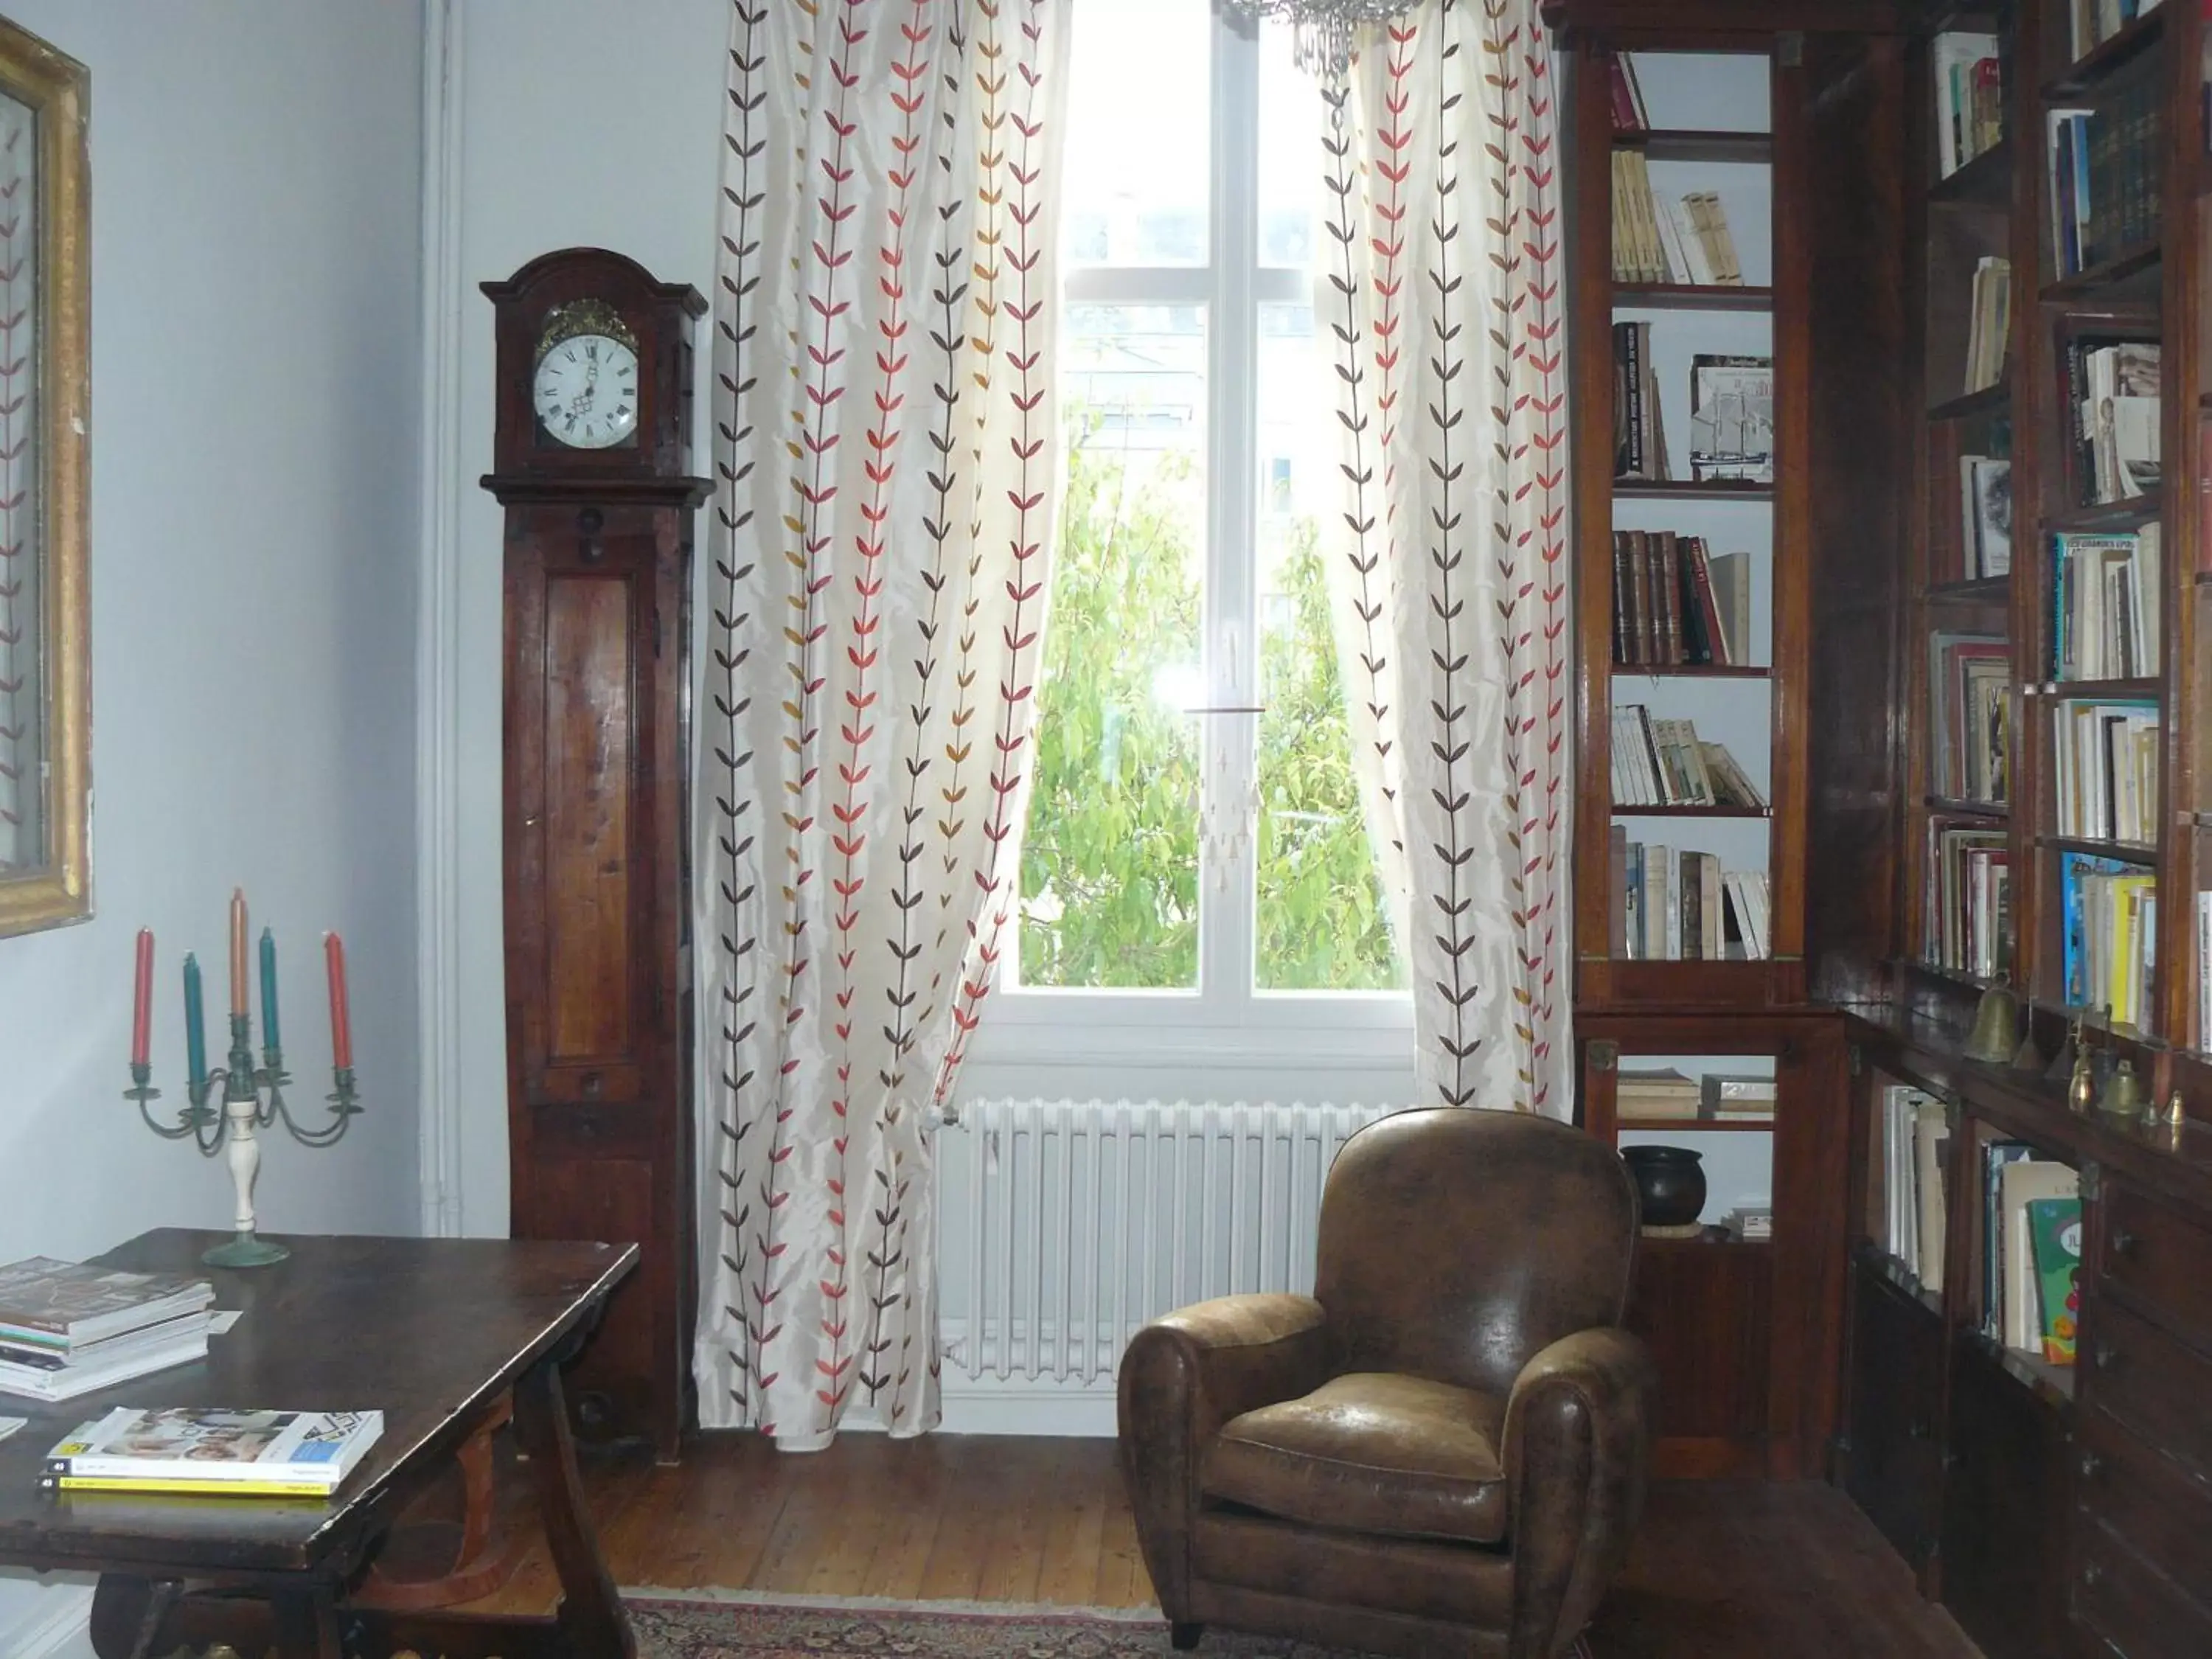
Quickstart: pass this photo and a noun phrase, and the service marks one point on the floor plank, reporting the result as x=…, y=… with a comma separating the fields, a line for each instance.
x=1720, y=1569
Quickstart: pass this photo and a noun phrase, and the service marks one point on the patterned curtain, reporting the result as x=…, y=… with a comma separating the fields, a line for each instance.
x=1443, y=304
x=886, y=446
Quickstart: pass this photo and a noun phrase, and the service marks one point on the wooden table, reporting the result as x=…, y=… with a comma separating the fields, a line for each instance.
x=431, y=1332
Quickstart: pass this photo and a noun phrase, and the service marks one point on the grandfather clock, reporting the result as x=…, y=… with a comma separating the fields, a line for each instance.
x=593, y=452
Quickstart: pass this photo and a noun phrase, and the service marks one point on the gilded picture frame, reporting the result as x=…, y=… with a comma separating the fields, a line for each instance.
x=46, y=437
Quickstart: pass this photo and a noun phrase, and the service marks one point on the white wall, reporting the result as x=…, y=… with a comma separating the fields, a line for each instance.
x=255, y=328
x=582, y=124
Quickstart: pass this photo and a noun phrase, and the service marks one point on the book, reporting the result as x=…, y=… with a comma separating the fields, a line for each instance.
x=1965, y=70
x=2055, y=1239
x=1989, y=321
x=2107, y=785
x=204, y=1448
x=1967, y=896
x=1639, y=432
x=2106, y=616
x=44, y=1379
x=46, y=1303
x=1663, y=1093
x=1986, y=517
x=1723, y=1096
x=1969, y=687
x=1732, y=418
x=2108, y=921
x=1627, y=96
x=1931, y=1140
x=2020, y=1317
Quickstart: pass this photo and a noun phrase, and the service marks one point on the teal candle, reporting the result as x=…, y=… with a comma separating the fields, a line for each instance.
x=269, y=1038
x=195, y=1035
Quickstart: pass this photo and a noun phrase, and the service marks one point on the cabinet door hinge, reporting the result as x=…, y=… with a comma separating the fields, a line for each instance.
x=2093, y=1181
x=1604, y=1054
x=1858, y=1059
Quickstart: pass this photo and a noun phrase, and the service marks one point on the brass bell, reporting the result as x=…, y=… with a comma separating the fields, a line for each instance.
x=2176, y=1112
x=2124, y=1096
x=1996, y=1025
x=2081, y=1083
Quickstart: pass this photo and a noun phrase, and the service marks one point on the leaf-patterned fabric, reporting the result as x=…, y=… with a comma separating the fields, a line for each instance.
x=1443, y=307
x=886, y=449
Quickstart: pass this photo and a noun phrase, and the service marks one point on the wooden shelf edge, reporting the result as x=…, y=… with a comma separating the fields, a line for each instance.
x=1676, y=489
x=2121, y=852
x=1690, y=296
x=1687, y=671
x=1694, y=1126
x=1997, y=810
x=1621, y=812
x=2105, y=57
x=1967, y=404
x=2124, y=267
x=1984, y=182
x=2107, y=515
x=1699, y=144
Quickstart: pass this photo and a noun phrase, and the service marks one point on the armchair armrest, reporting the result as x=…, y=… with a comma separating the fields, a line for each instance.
x=1182, y=1377
x=1576, y=1453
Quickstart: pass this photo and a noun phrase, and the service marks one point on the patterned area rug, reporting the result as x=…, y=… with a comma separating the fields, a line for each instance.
x=674, y=1625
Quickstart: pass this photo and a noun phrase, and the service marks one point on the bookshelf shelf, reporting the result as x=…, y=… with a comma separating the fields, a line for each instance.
x=1996, y=811
x=1705, y=1245
x=1621, y=812
x=2053, y=1385
x=2088, y=689
x=2125, y=852
x=2103, y=57
x=1989, y=400
x=1764, y=1125
x=1688, y=671
x=1688, y=490
x=2129, y=514
x=1984, y=182
x=2131, y=273
x=1697, y=144
x=1987, y=590
x=1884, y=1266
x=1691, y=297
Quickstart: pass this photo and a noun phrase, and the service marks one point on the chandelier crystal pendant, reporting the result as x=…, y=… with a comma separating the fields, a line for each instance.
x=1323, y=41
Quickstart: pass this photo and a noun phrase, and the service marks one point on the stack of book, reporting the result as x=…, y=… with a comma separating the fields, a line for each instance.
x=66, y=1330
x=2108, y=916
x=1629, y=114
x=2108, y=770
x=1914, y=1171
x=2204, y=969
x=1970, y=681
x=1967, y=899
x=2113, y=402
x=2090, y=23
x=1640, y=437
x=217, y=1454
x=1750, y=1225
x=1990, y=325
x=2103, y=167
x=1675, y=604
x=1969, y=97
x=1731, y=419
x=1648, y=1096
x=2105, y=617
x=1985, y=516
x=1662, y=762
x=1738, y=1099
x=1668, y=239
x=2031, y=1250
x=1673, y=904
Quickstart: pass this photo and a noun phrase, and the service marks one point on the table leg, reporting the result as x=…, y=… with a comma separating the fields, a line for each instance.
x=307, y=1626
x=127, y=1614
x=591, y=1613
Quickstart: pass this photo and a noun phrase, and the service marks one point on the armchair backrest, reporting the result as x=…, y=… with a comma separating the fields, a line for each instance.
x=1456, y=1244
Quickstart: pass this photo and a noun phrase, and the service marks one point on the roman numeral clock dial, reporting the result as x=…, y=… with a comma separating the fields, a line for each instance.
x=586, y=392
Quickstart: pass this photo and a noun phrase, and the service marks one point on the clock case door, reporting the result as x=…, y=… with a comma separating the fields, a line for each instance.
x=597, y=579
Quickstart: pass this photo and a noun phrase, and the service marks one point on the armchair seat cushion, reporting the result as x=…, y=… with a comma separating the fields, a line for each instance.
x=1369, y=1452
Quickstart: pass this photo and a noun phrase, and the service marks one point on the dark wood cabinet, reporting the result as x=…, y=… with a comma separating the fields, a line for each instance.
x=2002, y=1563
x=597, y=571
x=1892, y=1454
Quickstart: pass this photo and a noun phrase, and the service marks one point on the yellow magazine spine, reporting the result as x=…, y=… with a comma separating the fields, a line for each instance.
x=194, y=1488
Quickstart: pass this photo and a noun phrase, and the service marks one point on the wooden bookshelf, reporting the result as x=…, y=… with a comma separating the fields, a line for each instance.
x=1968, y=1455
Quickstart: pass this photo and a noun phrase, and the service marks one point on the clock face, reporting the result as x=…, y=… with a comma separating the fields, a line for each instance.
x=586, y=392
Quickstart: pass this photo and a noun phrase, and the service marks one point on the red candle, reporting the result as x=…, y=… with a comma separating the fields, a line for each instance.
x=237, y=951
x=142, y=1006
x=341, y=1024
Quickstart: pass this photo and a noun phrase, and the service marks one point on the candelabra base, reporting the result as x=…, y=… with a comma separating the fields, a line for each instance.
x=246, y=1249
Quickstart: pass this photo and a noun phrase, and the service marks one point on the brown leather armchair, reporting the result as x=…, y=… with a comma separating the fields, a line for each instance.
x=1442, y=1450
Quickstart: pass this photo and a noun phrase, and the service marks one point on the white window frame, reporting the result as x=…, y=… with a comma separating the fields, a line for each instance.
x=1227, y=1026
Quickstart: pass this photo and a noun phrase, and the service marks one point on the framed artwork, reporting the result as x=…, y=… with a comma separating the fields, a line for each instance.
x=46, y=433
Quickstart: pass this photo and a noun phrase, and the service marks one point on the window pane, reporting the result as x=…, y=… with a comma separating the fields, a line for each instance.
x=1109, y=870
x=1139, y=96
x=1290, y=124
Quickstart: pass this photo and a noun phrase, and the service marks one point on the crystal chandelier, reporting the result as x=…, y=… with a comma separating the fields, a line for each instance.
x=1324, y=27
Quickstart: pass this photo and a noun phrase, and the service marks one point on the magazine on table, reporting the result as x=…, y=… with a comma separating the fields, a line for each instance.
x=53, y=1303
x=207, y=1449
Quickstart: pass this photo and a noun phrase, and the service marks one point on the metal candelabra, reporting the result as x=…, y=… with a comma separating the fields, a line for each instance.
x=252, y=1100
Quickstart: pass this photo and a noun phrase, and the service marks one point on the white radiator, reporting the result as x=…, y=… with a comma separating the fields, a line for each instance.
x=1069, y=1223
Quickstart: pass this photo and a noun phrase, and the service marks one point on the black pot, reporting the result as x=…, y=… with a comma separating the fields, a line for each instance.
x=1670, y=1181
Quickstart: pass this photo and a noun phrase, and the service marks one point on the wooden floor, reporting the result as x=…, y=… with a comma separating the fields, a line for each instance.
x=1722, y=1570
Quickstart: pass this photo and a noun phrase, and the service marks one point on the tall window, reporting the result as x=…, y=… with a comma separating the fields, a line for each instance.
x=1196, y=849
